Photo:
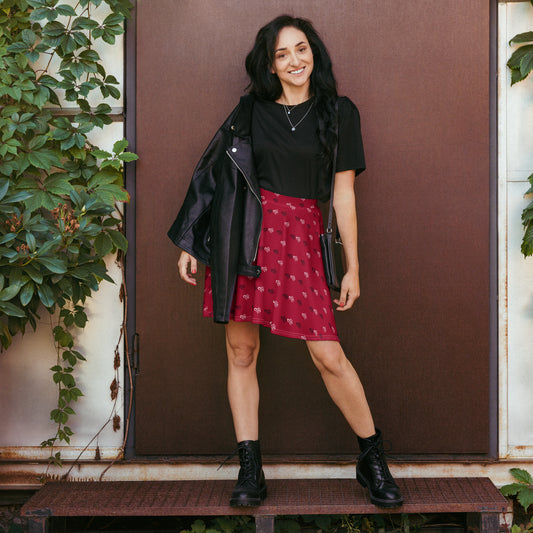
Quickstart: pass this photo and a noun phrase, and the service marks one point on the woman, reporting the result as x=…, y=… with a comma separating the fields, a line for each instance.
x=251, y=214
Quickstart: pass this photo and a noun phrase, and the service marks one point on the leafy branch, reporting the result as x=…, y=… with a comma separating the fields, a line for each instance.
x=523, y=490
x=60, y=195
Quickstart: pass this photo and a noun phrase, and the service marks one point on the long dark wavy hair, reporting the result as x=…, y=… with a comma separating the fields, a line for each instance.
x=266, y=85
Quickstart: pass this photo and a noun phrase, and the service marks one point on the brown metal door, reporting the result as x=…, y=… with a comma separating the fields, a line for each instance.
x=419, y=335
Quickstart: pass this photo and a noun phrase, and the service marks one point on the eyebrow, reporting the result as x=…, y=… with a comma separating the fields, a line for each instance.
x=296, y=46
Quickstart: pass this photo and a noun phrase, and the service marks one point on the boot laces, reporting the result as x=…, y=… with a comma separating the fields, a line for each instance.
x=377, y=450
x=247, y=465
x=247, y=470
x=228, y=458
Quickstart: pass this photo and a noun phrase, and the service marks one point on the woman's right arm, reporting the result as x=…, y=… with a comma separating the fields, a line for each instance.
x=183, y=266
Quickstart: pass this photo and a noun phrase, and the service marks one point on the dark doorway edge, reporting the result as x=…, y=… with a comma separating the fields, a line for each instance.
x=130, y=64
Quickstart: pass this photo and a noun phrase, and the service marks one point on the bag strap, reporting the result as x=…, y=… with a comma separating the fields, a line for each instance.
x=329, y=228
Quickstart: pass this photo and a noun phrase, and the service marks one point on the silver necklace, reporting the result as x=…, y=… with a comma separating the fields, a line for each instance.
x=290, y=108
x=288, y=112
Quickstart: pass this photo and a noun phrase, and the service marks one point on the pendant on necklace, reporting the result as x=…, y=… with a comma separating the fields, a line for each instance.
x=293, y=129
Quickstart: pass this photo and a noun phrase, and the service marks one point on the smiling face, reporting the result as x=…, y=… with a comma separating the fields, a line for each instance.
x=293, y=60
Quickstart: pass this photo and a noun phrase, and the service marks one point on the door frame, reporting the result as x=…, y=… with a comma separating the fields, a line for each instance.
x=132, y=352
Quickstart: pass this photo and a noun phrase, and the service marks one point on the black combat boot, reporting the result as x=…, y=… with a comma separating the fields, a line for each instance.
x=373, y=472
x=251, y=486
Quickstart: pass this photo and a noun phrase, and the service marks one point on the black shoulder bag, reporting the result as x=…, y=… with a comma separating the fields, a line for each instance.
x=332, y=250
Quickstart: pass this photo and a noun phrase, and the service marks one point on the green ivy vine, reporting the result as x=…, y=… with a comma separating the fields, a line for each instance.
x=521, y=64
x=60, y=195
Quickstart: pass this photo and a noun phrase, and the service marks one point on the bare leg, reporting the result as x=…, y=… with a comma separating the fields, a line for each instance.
x=242, y=344
x=343, y=385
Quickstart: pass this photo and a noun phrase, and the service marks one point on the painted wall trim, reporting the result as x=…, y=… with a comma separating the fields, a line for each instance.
x=25, y=475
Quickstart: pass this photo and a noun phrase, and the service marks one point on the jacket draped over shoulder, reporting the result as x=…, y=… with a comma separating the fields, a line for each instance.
x=219, y=222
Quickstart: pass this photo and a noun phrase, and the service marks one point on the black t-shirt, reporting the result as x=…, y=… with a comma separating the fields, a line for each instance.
x=289, y=162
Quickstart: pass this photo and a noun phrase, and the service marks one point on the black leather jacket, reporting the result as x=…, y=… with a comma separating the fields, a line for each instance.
x=220, y=220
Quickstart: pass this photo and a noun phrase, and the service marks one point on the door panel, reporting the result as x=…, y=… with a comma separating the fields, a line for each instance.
x=419, y=334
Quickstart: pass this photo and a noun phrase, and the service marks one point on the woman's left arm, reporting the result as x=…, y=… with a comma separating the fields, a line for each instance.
x=345, y=212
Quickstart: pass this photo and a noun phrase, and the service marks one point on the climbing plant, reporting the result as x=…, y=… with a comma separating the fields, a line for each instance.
x=521, y=65
x=60, y=195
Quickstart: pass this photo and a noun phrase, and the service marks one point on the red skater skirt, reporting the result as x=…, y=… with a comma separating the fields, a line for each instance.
x=290, y=296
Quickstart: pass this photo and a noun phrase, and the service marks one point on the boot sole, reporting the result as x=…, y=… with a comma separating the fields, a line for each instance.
x=388, y=504
x=249, y=502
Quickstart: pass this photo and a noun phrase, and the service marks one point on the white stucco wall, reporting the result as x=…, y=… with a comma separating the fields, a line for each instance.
x=515, y=139
x=27, y=393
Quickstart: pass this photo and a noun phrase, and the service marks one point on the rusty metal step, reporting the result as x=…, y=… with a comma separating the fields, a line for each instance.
x=285, y=497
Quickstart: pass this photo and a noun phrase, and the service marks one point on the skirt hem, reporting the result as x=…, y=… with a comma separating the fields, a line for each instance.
x=281, y=332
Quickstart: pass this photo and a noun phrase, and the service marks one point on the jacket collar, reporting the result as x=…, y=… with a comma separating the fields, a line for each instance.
x=241, y=123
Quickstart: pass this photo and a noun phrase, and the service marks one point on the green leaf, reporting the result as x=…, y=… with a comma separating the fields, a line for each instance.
x=40, y=160
x=103, y=109
x=111, y=193
x=26, y=294
x=68, y=380
x=55, y=265
x=516, y=58
x=511, y=489
x=84, y=23
x=80, y=319
x=63, y=337
x=12, y=310
x=46, y=295
x=128, y=156
x=66, y=10
x=17, y=276
x=103, y=244
x=39, y=13
x=70, y=357
x=113, y=163
x=58, y=184
x=17, y=197
x=522, y=37
x=105, y=176
x=37, y=142
x=120, y=146
x=525, y=497
x=28, y=37
x=526, y=65
x=54, y=29
x=100, y=154
x=3, y=189
x=17, y=48
x=34, y=274
x=79, y=355
x=30, y=240
x=527, y=214
x=527, y=241
x=118, y=239
x=113, y=19
x=522, y=475
x=89, y=55
x=9, y=292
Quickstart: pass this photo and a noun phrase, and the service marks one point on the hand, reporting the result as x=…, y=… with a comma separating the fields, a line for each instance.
x=350, y=291
x=183, y=267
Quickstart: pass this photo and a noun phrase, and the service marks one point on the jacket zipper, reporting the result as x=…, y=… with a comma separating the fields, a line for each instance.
x=253, y=192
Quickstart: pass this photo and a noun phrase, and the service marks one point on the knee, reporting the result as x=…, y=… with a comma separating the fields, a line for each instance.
x=330, y=361
x=242, y=354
